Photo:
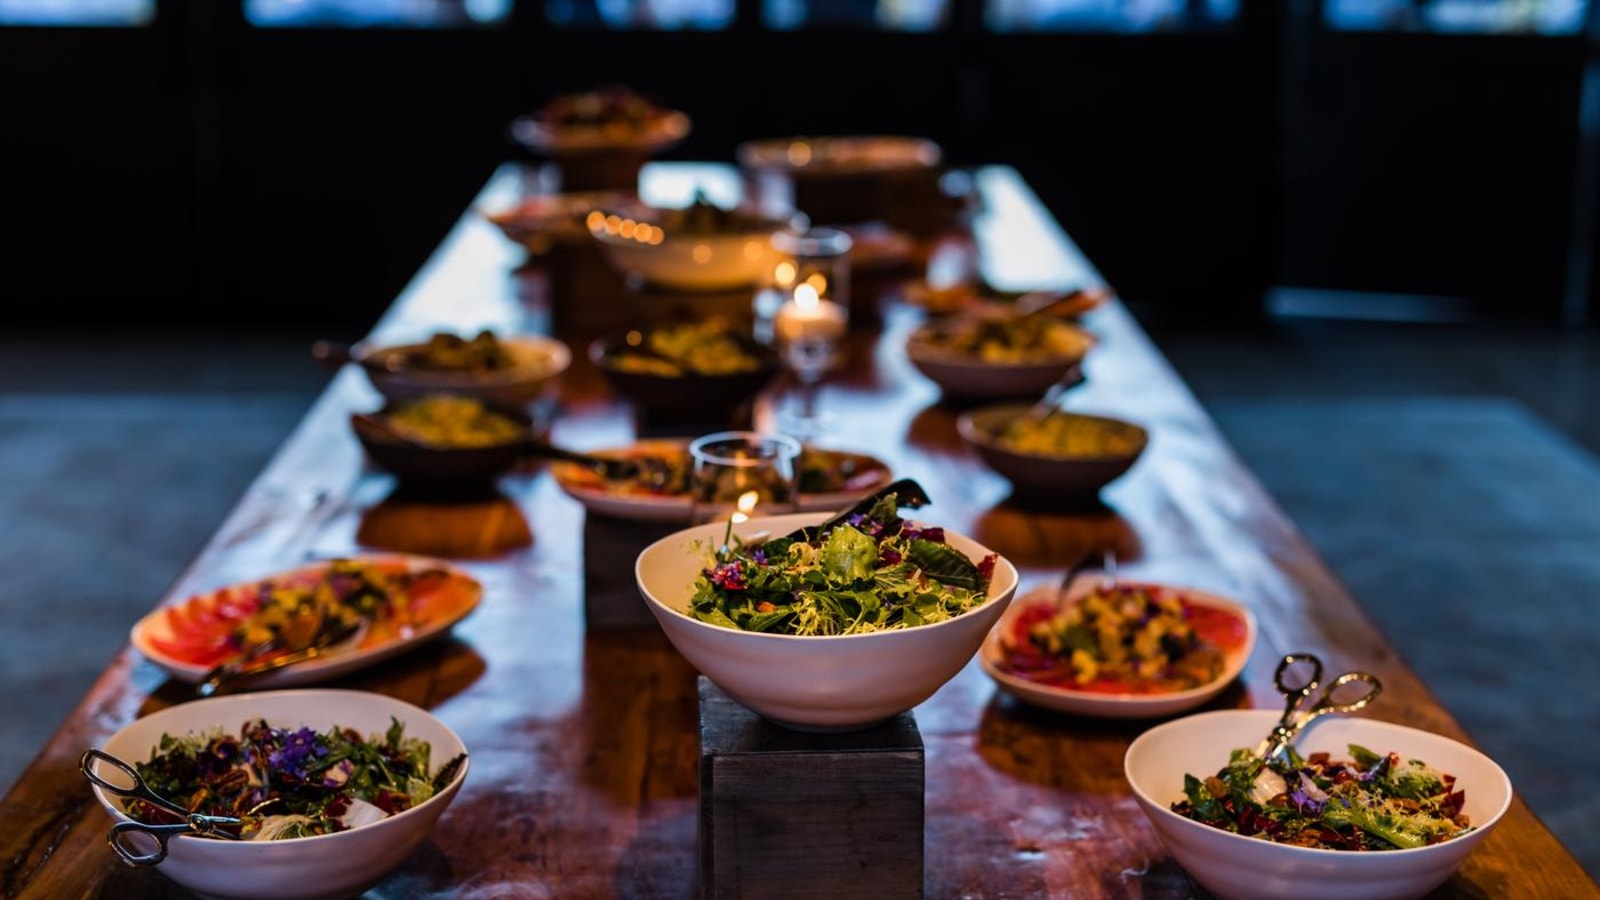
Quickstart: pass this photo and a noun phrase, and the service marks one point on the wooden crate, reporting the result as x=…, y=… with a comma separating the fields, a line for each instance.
x=790, y=814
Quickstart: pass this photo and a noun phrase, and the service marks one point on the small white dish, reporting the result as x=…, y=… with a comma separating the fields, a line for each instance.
x=159, y=635
x=1115, y=705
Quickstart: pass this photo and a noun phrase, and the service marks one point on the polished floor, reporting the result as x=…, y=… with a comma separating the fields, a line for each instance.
x=1450, y=475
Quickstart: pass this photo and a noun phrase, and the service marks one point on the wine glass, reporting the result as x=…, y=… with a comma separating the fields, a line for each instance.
x=810, y=330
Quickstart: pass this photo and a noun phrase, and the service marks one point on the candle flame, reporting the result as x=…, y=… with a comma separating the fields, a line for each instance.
x=746, y=503
x=805, y=296
x=784, y=273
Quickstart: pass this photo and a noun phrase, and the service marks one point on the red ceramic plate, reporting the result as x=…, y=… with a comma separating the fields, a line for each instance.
x=188, y=638
x=1228, y=617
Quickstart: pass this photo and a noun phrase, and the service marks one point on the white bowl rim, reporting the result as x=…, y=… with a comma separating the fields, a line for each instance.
x=969, y=429
x=796, y=519
x=1202, y=598
x=1267, y=717
x=303, y=695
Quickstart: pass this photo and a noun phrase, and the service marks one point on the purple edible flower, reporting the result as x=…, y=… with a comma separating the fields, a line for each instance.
x=300, y=749
x=759, y=554
x=1308, y=798
x=729, y=576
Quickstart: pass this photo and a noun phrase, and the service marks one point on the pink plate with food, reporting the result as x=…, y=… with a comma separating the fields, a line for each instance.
x=1125, y=649
x=827, y=480
x=386, y=603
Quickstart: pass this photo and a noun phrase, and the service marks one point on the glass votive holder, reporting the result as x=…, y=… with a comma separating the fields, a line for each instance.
x=738, y=475
x=818, y=258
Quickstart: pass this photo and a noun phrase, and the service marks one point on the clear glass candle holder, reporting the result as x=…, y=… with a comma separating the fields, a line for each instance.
x=738, y=475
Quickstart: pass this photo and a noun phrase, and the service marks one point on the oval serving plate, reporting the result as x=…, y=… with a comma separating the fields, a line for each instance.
x=602, y=498
x=160, y=635
x=1114, y=705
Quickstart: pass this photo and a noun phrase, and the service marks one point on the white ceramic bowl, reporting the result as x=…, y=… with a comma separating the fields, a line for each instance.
x=1235, y=867
x=711, y=261
x=831, y=683
x=538, y=361
x=324, y=867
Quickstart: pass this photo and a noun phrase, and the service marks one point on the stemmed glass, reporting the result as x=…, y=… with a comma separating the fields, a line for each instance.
x=809, y=330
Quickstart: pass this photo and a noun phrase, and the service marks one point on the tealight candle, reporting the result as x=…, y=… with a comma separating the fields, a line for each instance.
x=809, y=317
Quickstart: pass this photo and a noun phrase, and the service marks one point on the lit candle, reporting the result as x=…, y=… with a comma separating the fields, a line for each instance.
x=810, y=317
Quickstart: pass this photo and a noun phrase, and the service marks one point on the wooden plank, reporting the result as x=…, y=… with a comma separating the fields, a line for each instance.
x=585, y=741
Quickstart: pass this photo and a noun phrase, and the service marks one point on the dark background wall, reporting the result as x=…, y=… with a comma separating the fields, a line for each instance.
x=198, y=174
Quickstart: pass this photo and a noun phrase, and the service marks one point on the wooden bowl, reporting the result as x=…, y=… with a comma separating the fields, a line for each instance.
x=441, y=466
x=1068, y=477
x=690, y=394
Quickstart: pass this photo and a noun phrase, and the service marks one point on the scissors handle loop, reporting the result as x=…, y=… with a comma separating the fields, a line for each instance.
x=120, y=837
x=1296, y=712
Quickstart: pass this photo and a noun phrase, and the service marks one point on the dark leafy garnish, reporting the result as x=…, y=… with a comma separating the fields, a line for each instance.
x=870, y=571
x=1368, y=802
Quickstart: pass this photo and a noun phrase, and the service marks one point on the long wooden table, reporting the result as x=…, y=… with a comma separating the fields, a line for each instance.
x=584, y=741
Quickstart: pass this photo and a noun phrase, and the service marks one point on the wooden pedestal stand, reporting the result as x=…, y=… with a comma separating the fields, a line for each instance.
x=792, y=814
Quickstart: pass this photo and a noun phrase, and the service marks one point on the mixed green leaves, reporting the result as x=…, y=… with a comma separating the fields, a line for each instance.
x=1368, y=802
x=873, y=572
x=289, y=783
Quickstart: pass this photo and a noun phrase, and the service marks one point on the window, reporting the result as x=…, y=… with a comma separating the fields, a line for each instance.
x=375, y=13
x=1107, y=15
x=77, y=12
x=665, y=15
x=884, y=15
x=1552, y=17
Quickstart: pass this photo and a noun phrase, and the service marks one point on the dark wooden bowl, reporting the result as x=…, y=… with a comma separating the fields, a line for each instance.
x=685, y=396
x=423, y=465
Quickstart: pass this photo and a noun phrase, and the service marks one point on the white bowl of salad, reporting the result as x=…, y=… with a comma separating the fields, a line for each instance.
x=1369, y=810
x=833, y=634
x=344, y=786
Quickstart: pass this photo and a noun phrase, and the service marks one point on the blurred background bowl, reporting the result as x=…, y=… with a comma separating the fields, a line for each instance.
x=851, y=179
x=1058, y=474
x=343, y=864
x=396, y=372
x=1235, y=867
x=623, y=358
x=814, y=683
x=652, y=248
x=445, y=462
x=967, y=376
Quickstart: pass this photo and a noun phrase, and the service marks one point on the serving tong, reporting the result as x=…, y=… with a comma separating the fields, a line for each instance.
x=136, y=788
x=908, y=494
x=1302, y=707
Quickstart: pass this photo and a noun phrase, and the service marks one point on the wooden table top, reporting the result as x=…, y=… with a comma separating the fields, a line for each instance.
x=584, y=740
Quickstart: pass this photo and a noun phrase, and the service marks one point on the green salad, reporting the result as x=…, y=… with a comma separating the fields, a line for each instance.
x=1370, y=801
x=873, y=572
x=291, y=782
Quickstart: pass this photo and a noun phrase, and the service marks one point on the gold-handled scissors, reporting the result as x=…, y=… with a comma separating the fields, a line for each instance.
x=135, y=787
x=1297, y=713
